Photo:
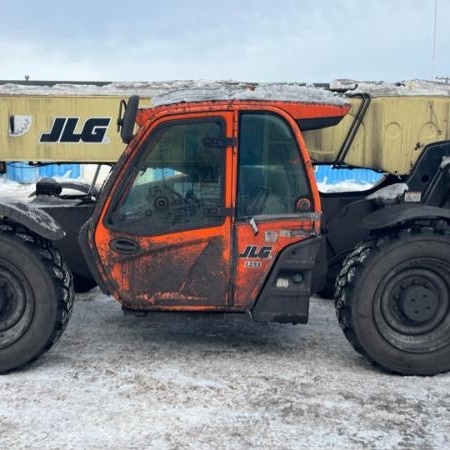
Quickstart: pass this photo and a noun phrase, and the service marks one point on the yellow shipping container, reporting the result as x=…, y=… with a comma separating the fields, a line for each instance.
x=68, y=123
x=393, y=132
x=60, y=128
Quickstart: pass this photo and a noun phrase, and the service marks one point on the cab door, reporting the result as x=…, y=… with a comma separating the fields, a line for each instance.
x=164, y=241
x=277, y=208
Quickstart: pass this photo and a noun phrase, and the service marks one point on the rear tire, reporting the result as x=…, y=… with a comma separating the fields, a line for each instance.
x=393, y=301
x=36, y=296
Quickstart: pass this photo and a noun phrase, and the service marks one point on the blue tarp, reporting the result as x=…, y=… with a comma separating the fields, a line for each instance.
x=27, y=173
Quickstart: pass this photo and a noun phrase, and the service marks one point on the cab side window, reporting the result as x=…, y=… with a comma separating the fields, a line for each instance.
x=271, y=173
x=178, y=184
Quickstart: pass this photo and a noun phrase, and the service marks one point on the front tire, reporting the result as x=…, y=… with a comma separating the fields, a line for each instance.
x=36, y=296
x=393, y=301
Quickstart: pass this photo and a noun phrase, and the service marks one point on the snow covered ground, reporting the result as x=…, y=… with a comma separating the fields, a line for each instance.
x=119, y=382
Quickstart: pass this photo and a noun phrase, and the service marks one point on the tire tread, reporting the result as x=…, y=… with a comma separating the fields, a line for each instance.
x=58, y=272
x=352, y=268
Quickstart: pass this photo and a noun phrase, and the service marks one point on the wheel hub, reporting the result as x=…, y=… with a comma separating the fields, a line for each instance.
x=414, y=303
x=16, y=304
x=418, y=303
x=12, y=306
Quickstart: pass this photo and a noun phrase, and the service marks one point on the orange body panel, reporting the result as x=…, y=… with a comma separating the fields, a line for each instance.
x=201, y=269
x=174, y=269
x=251, y=272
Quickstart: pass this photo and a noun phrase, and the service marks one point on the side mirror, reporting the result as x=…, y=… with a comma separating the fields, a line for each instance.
x=125, y=123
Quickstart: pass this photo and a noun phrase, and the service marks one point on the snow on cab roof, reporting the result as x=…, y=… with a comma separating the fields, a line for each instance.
x=287, y=92
x=430, y=88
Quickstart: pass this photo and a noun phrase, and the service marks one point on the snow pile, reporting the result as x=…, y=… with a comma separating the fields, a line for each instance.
x=144, y=89
x=343, y=186
x=389, y=193
x=385, y=89
x=13, y=189
x=225, y=89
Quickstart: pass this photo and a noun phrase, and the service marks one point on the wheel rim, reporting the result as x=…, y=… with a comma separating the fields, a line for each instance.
x=412, y=306
x=16, y=304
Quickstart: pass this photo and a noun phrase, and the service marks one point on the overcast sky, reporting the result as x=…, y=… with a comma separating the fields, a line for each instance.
x=249, y=40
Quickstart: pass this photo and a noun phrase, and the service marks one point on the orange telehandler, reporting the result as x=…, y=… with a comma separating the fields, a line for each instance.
x=213, y=207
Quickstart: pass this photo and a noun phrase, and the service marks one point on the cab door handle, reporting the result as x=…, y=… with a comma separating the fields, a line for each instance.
x=125, y=246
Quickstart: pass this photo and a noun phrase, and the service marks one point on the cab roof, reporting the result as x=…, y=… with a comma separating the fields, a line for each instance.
x=311, y=107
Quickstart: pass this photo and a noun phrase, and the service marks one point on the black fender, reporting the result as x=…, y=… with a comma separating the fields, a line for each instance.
x=33, y=218
x=289, y=302
x=392, y=216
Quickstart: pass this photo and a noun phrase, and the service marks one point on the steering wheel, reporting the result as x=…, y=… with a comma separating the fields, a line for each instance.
x=164, y=201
